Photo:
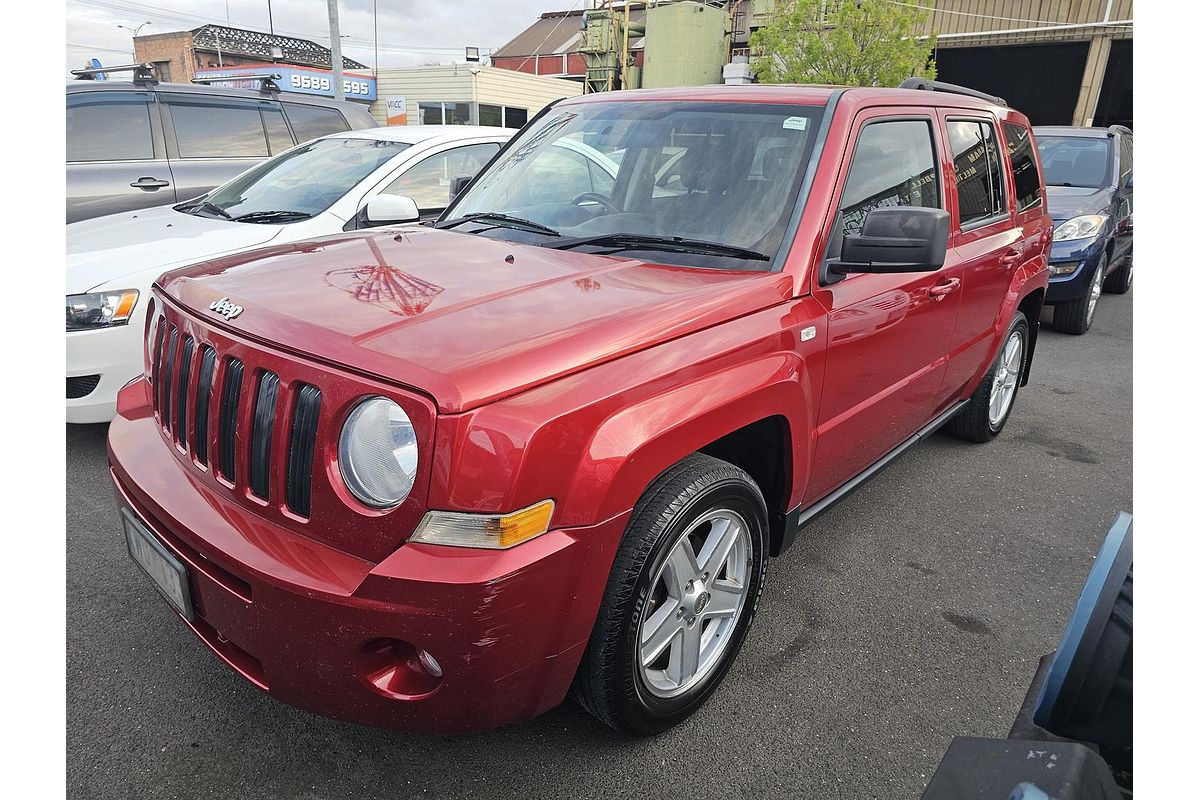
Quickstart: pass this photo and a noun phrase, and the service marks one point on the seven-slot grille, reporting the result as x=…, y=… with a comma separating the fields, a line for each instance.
x=189, y=379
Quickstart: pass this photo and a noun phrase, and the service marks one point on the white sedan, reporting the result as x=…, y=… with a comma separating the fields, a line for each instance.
x=345, y=181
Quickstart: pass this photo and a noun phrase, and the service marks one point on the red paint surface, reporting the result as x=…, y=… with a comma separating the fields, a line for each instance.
x=562, y=375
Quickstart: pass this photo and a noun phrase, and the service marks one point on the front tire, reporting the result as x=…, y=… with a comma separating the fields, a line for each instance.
x=992, y=403
x=680, y=598
x=1075, y=316
x=1121, y=281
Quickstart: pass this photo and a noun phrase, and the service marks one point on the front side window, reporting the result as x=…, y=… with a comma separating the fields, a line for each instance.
x=109, y=126
x=428, y=181
x=893, y=165
x=311, y=122
x=1076, y=160
x=977, y=169
x=1024, y=166
x=691, y=171
x=302, y=182
x=213, y=128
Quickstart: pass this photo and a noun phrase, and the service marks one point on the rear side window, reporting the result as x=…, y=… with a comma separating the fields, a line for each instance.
x=217, y=128
x=1024, y=166
x=893, y=165
x=309, y=122
x=109, y=126
x=977, y=168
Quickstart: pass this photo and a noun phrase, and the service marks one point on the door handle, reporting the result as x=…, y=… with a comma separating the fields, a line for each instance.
x=1010, y=259
x=946, y=287
x=149, y=184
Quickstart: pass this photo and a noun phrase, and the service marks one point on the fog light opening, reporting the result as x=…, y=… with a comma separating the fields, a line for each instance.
x=397, y=669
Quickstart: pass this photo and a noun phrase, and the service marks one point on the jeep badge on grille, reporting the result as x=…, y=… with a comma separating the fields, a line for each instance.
x=225, y=308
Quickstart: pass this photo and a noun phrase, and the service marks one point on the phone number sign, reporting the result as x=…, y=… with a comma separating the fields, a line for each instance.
x=299, y=81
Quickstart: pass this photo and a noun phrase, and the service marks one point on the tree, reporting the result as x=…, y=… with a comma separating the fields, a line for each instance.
x=844, y=42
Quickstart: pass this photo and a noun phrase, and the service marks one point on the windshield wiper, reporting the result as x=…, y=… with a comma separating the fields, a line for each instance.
x=272, y=216
x=204, y=205
x=503, y=220
x=670, y=244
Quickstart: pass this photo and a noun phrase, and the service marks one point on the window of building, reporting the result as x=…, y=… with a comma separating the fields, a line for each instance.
x=1024, y=166
x=893, y=165
x=109, y=126
x=515, y=117
x=217, y=128
x=977, y=168
x=309, y=122
x=491, y=115
x=428, y=181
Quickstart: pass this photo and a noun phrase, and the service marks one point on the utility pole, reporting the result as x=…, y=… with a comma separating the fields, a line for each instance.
x=335, y=50
x=375, y=16
x=270, y=18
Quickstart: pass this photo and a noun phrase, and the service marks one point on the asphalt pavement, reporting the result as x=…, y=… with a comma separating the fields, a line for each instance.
x=913, y=612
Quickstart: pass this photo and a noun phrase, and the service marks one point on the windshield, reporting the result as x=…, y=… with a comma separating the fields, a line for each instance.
x=305, y=180
x=1075, y=160
x=723, y=174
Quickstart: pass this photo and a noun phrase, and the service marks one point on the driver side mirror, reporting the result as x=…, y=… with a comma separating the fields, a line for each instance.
x=391, y=209
x=896, y=239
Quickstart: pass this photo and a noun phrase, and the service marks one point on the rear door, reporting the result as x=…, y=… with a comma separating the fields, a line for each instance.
x=888, y=334
x=987, y=243
x=116, y=160
x=211, y=139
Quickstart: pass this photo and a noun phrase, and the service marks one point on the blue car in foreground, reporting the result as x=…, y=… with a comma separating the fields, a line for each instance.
x=1089, y=193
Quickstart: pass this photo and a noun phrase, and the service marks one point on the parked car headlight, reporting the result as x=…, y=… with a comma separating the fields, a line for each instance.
x=87, y=312
x=377, y=453
x=1084, y=227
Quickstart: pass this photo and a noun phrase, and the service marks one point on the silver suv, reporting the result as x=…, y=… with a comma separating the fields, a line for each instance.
x=137, y=144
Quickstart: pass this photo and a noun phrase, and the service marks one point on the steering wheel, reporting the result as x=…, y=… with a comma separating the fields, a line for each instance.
x=596, y=197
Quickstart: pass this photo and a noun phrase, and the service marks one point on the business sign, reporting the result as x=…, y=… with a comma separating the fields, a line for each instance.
x=397, y=110
x=300, y=80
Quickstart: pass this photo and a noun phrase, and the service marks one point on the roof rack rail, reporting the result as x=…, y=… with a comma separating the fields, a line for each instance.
x=142, y=73
x=1119, y=129
x=952, y=88
x=266, y=80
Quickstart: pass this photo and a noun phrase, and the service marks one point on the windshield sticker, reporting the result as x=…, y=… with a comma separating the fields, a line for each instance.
x=795, y=123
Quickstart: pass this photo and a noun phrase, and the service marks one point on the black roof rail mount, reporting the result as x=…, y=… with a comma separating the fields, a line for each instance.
x=142, y=73
x=266, y=80
x=952, y=88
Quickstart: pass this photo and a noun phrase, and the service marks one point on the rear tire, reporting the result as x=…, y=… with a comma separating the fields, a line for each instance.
x=1075, y=316
x=658, y=602
x=983, y=418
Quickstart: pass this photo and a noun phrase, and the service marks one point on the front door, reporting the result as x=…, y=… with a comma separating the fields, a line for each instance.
x=888, y=334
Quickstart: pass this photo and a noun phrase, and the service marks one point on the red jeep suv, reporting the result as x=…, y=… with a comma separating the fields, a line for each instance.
x=438, y=477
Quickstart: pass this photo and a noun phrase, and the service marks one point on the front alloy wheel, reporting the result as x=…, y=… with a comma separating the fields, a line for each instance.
x=680, y=598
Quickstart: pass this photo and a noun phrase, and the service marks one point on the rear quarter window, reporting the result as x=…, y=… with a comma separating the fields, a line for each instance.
x=1026, y=176
x=309, y=122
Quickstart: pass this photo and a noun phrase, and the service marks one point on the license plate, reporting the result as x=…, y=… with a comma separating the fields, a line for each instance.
x=168, y=574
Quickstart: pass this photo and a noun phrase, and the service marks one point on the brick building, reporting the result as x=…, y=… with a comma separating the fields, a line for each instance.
x=177, y=55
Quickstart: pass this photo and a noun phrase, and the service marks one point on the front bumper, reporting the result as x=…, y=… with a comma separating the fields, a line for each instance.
x=1085, y=253
x=337, y=635
x=115, y=354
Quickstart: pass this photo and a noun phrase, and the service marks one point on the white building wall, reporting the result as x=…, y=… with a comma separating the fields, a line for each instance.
x=455, y=83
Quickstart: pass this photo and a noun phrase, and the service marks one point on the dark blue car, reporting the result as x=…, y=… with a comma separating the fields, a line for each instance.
x=1089, y=189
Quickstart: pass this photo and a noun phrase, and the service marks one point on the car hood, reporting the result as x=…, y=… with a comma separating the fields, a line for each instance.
x=464, y=318
x=1064, y=202
x=120, y=246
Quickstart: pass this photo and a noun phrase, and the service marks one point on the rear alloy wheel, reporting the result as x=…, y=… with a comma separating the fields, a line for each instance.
x=1075, y=317
x=992, y=403
x=680, y=598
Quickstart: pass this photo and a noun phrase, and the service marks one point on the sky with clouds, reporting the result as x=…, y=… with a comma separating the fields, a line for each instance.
x=410, y=31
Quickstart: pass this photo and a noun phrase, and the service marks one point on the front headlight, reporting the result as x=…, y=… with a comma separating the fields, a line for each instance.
x=87, y=312
x=377, y=453
x=1084, y=227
